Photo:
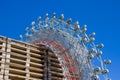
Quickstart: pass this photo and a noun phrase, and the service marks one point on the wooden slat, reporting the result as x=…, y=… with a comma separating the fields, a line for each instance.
x=18, y=51
x=18, y=47
x=18, y=56
x=17, y=65
x=33, y=69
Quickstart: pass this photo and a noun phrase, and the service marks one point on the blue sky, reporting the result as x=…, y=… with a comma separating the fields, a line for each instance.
x=101, y=16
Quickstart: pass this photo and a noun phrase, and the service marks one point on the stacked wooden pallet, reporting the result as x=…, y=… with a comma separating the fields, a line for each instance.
x=22, y=61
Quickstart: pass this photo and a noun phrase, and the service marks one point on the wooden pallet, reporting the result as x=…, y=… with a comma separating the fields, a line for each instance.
x=25, y=61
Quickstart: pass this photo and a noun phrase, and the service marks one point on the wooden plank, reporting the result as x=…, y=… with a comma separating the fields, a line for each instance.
x=38, y=75
x=57, y=74
x=16, y=42
x=36, y=55
x=15, y=77
x=52, y=55
x=17, y=65
x=55, y=65
x=36, y=65
x=13, y=60
x=34, y=50
x=18, y=51
x=56, y=78
x=33, y=69
x=59, y=70
x=18, y=47
x=16, y=71
x=54, y=60
x=35, y=60
x=18, y=56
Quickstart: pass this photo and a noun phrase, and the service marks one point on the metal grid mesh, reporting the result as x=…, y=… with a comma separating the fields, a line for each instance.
x=76, y=50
